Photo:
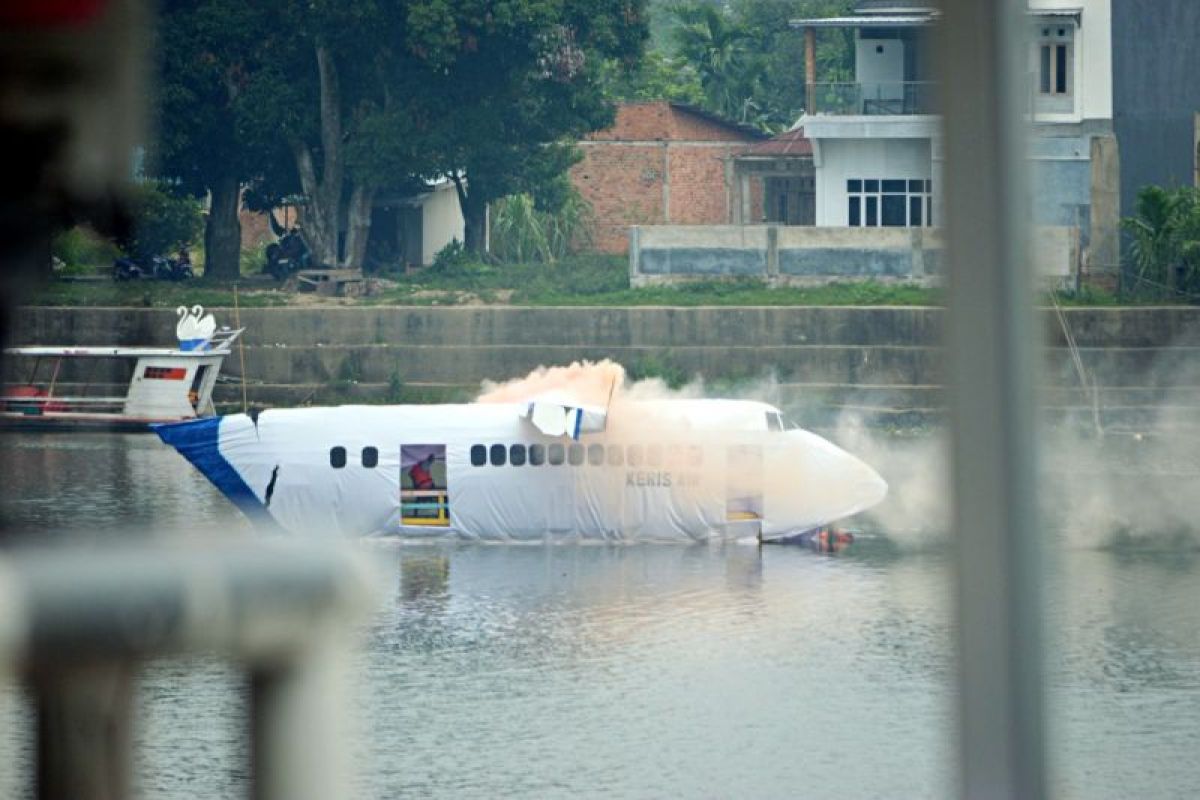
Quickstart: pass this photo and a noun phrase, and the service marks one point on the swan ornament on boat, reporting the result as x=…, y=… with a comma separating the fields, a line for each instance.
x=194, y=329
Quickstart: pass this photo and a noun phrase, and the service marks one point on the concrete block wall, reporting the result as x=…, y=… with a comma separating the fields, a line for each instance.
x=803, y=254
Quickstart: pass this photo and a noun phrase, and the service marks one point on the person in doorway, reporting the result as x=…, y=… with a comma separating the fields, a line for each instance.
x=421, y=473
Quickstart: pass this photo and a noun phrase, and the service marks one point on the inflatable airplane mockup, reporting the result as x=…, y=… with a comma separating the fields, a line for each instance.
x=683, y=470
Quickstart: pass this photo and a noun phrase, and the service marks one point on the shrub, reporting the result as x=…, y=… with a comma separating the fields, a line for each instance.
x=522, y=232
x=163, y=222
x=1165, y=246
x=81, y=249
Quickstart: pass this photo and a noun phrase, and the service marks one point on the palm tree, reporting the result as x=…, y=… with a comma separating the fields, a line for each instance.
x=1166, y=234
x=716, y=46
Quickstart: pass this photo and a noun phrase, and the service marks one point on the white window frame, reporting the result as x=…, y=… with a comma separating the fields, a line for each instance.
x=1052, y=39
x=871, y=190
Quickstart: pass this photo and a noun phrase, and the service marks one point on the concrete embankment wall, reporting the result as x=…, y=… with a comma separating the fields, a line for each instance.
x=885, y=359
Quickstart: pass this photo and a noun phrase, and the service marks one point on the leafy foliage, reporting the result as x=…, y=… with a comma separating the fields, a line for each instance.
x=740, y=59
x=163, y=222
x=82, y=248
x=1165, y=240
x=522, y=232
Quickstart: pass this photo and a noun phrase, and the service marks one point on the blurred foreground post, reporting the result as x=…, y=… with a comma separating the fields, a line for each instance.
x=78, y=624
x=991, y=339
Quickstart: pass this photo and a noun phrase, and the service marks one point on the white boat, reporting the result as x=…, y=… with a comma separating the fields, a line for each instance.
x=684, y=470
x=68, y=387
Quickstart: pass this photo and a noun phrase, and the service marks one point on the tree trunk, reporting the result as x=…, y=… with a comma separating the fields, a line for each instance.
x=223, y=231
x=359, y=227
x=324, y=193
x=474, y=213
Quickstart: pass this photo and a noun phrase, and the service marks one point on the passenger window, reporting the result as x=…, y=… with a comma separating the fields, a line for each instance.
x=635, y=455
x=674, y=455
x=653, y=455
x=499, y=455
x=337, y=457
x=516, y=455
x=370, y=457
x=478, y=455
x=575, y=455
x=537, y=455
x=695, y=455
x=557, y=453
x=774, y=421
x=616, y=455
x=596, y=455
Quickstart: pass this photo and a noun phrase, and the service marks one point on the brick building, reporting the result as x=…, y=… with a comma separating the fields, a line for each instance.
x=664, y=163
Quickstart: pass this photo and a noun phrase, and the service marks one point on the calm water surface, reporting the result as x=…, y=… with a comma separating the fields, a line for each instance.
x=659, y=671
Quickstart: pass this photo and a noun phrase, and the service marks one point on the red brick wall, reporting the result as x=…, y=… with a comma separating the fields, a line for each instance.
x=624, y=184
x=624, y=168
x=698, y=192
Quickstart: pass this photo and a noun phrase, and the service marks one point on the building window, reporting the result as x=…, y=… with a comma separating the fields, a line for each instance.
x=1054, y=61
x=889, y=203
x=337, y=457
x=478, y=455
x=370, y=457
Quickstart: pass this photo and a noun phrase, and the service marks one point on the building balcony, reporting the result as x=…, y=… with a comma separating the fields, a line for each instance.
x=875, y=98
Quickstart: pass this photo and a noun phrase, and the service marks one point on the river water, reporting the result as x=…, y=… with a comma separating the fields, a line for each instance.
x=658, y=671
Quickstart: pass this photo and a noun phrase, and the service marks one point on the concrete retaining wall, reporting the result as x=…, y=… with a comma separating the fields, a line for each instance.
x=885, y=358
x=804, y=254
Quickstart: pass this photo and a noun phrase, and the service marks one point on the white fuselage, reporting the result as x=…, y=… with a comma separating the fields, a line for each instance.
x=664, y=470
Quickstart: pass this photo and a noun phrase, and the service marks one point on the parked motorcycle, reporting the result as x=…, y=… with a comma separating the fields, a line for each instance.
x=287, y=256
x=161, y=268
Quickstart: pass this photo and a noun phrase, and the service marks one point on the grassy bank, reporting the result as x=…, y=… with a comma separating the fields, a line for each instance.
x=591, y=280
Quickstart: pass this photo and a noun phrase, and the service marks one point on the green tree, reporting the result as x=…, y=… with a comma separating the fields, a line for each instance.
x=208, y=60
x=163, y=222
x=513, y=83
x=717, y=46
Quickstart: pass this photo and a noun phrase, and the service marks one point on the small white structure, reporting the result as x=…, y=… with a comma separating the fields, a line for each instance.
x=409, y=229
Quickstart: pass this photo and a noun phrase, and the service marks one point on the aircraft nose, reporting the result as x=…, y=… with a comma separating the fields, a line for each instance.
x=826, y=483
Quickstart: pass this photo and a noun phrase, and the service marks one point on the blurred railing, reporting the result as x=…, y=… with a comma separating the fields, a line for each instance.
x=75, y=626
x=878, y=98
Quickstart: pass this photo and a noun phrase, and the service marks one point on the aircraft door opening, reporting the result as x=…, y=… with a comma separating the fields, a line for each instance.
x=744, y=484
x=424, y=493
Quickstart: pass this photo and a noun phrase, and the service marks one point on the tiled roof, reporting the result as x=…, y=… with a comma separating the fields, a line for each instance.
x=790, y=143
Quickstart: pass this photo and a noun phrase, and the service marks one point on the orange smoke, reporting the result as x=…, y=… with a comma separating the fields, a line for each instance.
x=583, y=382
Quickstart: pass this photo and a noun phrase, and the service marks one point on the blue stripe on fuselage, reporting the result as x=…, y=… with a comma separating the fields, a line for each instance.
x=199, y=441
